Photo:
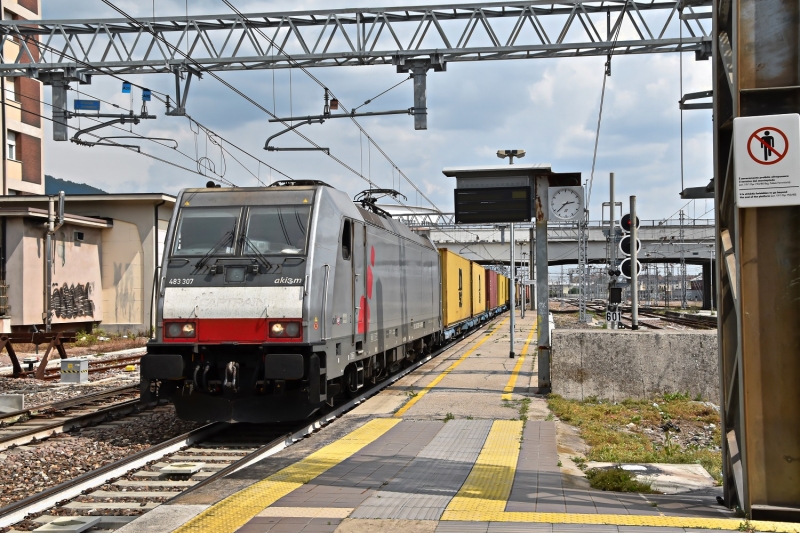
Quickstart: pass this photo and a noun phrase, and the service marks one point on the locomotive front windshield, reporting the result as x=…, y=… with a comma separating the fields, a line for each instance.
x=204, y=230
x=235, y=231
x=276, y=230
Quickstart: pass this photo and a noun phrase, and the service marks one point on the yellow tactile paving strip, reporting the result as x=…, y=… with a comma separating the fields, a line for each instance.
x=512, y=381
x=483, y=496
x=449, y=369
x=236, y=510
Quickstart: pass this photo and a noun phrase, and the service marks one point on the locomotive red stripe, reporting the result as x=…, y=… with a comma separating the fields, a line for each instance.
x=220, y=330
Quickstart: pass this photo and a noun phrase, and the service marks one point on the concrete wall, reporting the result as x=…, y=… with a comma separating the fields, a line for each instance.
x=616, y=365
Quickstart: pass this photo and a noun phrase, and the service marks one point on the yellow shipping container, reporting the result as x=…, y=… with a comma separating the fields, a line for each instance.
x=478, y=289
x=456, y=301
x=502, y=290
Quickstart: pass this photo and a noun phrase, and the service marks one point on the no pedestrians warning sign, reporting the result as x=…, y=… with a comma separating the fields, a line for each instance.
x=767, y=160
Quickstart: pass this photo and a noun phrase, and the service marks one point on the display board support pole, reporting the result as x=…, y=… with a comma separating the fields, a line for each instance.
x=542, y=292
x=512, y=292
x=634, y=268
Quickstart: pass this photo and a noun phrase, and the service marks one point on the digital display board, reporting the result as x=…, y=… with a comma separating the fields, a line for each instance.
x=493, y=205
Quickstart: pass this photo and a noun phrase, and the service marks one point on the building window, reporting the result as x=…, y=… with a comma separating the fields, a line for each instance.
x=11, y=141
x=11, y=89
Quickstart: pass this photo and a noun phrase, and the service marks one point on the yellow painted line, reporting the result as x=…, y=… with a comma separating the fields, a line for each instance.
x=236, y=510
x=484, y=495
x=512, y=381
x=449, y=369
x=486, y=490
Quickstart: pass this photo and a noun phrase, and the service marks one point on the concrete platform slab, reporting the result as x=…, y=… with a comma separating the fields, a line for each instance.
x=163, y=519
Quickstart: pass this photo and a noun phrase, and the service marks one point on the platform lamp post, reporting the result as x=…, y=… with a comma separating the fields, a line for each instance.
x=511, y=154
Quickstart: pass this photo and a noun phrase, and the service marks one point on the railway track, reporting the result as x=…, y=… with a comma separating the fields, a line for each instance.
x=24, y=426
x=101, y=365
x=648, y=313
x=185, y=463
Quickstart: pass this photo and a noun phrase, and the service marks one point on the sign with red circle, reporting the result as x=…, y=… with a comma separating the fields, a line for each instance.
x=767, y=153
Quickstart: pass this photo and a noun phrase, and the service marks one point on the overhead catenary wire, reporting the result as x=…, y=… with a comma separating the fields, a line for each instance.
x=156, y=94
x=606, y=74
x=344, y=109
x=229, y=86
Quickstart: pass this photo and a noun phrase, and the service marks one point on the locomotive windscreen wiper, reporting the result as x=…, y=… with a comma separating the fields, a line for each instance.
x=228, y=237
x=259, y=256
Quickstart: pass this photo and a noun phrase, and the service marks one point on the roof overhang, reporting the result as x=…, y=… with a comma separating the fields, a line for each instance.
x=76, y=220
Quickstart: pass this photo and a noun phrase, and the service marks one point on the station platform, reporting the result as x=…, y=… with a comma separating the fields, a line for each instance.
x=463, y=444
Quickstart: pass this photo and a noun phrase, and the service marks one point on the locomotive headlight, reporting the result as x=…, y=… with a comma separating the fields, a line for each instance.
x=174, y=330
x=292, y=329
x=179, y=330
x=286, y=330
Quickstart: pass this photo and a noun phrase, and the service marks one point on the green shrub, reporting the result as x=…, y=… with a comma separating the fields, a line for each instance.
x=617, y=480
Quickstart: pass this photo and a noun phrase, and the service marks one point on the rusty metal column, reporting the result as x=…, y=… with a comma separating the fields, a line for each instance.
x=756, y=73
x=542, y=292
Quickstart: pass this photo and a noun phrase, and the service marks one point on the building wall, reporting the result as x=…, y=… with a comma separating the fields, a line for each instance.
x=76, y=273
x=122, y=272
x=132, y=255
x=21, y=114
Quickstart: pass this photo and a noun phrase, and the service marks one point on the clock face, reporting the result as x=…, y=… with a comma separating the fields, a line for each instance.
x=565, y=204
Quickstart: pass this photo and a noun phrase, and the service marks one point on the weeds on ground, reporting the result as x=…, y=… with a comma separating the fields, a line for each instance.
x=617, y=480
x=524, y=405
x=615, y=431
x=449, y=416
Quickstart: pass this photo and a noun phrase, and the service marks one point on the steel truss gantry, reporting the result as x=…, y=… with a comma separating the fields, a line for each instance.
x=361, y=36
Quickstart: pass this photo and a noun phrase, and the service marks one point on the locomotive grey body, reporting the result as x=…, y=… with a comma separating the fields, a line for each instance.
x=274, y=300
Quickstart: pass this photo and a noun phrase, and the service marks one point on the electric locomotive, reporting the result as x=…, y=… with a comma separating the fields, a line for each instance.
x=274, y=300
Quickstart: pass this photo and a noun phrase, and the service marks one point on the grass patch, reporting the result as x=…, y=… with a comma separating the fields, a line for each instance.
x=617, y=480
x=616, y=432
x=524, y=405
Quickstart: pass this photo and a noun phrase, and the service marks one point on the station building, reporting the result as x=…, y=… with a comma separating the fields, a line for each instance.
x=21, y=114
x=106, y=259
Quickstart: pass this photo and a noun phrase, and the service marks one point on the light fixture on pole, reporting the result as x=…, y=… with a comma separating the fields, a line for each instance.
x=511, y=154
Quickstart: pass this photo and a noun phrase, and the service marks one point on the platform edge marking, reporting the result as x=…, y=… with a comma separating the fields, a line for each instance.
x=237, y=509
x=512, y=381
x=400, y=412
x=489, y=483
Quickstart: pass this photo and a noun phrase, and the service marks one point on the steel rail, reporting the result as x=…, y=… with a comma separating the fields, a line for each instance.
x=25, y=436
x=41, y=501
x=72, y=402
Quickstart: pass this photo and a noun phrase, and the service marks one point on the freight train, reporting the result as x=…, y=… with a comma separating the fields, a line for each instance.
x=273, y=301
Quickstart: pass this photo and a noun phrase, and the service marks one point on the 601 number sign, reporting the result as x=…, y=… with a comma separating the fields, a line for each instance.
x=613, y=316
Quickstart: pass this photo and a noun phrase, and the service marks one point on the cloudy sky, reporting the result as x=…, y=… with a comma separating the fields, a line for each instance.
x=548, y=107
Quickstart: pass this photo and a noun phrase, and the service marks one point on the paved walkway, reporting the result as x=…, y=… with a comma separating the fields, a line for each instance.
x=446, y=449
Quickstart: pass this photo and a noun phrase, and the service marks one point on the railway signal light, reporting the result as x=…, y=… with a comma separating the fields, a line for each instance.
x=625, y=245
x=625, y=223
x=625, y=267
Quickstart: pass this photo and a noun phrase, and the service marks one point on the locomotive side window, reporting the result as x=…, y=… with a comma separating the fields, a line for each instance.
x=277, y=230
x=202, y=230
x=347, y=240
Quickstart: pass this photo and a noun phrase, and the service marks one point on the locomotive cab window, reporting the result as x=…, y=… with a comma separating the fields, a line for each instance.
x=347, y=239
x=276, y=230
x=207, y=230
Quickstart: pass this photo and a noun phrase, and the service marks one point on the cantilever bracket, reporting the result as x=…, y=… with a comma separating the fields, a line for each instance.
x=180, y=101
x=117, y=119
x=290, y=128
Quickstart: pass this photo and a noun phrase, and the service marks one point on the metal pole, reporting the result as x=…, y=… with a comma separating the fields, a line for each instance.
x=512, y=293
x=634, y=268
x=48, y=267
x=532, y=266
x=420, y=75
x=522, y=290
x=542, y=303
x=711, y=276
x=612, y=235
